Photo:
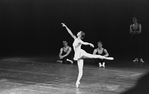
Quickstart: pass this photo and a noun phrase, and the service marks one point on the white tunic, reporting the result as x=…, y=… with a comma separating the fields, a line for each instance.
x=77, y=49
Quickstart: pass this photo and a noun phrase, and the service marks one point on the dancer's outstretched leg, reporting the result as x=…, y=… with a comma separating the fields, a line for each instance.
x=87, y=55
x=80, y=64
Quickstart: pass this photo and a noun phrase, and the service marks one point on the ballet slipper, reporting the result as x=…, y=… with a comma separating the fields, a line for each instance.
x=99, y=64
x=103, y=65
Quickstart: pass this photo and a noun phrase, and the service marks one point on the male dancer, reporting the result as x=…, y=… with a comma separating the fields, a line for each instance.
x=135, y=31
x=100, y=51
x=65, y=53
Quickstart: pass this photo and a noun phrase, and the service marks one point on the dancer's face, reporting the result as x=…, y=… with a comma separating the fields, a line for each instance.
x=79, y=35
x=134, y=20
x=99, y=44
x=65, y=43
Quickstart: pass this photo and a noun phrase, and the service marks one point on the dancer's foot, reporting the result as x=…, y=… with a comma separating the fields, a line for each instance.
x=70, y=61
x=102, y=65
x=77, y=84
x=141, y=60
x=109, y=58
x=99, y=65
x=135, y=60
x=59, y=61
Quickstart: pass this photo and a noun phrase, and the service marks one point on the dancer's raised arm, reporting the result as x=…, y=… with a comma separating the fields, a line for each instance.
x=69, y=31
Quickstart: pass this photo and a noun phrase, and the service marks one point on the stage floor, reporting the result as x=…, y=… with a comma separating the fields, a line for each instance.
x=39, y=75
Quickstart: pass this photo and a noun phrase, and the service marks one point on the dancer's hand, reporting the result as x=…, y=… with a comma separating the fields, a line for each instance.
x=63, y=25
x=61, y=57
x=91, y=45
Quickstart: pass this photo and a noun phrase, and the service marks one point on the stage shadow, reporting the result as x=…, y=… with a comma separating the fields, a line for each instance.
x=141, y=87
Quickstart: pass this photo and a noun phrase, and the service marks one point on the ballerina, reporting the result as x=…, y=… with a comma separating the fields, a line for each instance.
x=80, y=54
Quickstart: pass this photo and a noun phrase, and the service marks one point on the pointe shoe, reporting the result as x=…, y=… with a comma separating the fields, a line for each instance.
x=77, y=84
x=109, y=58
x=141, y=60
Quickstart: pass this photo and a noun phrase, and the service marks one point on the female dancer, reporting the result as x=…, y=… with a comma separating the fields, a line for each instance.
x=80, y=54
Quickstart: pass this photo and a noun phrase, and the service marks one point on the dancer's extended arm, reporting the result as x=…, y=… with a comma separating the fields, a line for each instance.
x=69, y=31
x=86, y=43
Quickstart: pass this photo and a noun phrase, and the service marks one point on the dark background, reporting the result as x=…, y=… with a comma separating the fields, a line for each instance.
x=33, y=27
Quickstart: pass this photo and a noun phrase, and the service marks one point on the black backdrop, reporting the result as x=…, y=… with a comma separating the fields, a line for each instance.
x=31, y=27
